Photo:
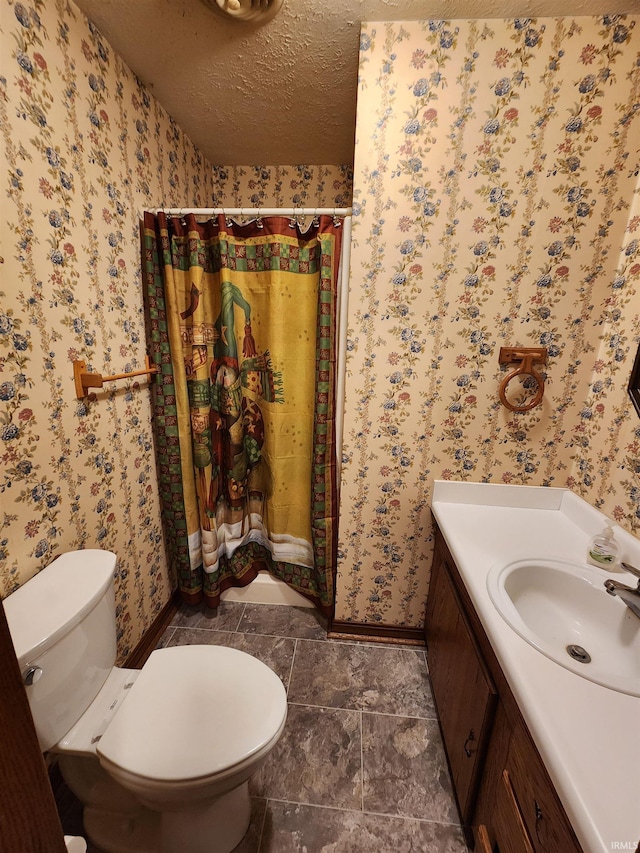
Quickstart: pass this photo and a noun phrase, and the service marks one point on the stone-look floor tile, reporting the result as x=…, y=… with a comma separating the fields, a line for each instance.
x=251, y=841
x=316, y=761
x=276, y=652
x=419, y=649
x=222, y=618
x=314, y=773
x=405, y=769
x=366, y=678
x=187, y=616
x=293, y=828
x=195, y=637
x=301, y=622
x=165, y=639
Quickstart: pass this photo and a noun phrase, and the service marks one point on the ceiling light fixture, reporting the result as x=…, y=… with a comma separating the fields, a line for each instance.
x=255, y=11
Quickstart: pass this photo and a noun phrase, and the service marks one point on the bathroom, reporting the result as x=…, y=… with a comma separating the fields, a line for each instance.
x=88, y=147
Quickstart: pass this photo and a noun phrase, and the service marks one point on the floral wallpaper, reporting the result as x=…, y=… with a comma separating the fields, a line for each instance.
x=85, y=150
x=282, y=186
x=496, y=203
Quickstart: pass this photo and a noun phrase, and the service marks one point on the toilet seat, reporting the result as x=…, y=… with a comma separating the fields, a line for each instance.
x=194, y=712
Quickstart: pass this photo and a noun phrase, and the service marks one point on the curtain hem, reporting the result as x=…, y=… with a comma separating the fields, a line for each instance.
x=212, y=600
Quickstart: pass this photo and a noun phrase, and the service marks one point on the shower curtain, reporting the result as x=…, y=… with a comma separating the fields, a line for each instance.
x=241, y=323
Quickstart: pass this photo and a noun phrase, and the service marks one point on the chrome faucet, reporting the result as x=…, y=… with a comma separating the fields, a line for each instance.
x=629, y=594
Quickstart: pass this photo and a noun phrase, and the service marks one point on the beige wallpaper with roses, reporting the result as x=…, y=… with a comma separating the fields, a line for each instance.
x=85, y=148
x=496, y=191
x=497, y=203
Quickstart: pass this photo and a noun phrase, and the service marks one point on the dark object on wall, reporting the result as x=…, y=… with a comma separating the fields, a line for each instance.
x=634, y=383
x=29, y=822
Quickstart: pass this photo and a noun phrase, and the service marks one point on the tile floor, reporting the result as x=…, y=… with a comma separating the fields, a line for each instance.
x=360, y=767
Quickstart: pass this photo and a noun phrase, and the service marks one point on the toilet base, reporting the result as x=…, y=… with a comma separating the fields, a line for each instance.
x=217, y=827
x=114, y=832
x=117, y=822
x=114, y=821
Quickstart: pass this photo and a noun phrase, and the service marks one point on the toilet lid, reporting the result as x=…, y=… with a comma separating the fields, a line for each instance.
x=195, y=711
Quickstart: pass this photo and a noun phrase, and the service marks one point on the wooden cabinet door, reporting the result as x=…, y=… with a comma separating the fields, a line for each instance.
x=547, y=824
x=464, y=693
x=29, y=821
x=508, y=823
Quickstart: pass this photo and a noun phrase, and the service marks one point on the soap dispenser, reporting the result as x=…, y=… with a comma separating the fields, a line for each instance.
x=603, y=549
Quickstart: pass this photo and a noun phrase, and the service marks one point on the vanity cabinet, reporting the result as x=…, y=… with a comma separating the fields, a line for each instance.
x=506, y=800
x=465, y=689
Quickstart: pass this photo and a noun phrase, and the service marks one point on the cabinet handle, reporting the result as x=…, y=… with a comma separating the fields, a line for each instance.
x=539, y=817
x=482, y=840
x=470, y=737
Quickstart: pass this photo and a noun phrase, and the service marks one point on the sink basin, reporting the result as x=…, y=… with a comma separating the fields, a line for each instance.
x=563, y=611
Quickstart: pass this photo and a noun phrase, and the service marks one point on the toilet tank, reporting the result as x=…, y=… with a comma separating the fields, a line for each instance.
x=63, y=627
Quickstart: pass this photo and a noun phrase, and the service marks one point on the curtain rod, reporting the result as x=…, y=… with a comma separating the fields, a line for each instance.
x=254, y=211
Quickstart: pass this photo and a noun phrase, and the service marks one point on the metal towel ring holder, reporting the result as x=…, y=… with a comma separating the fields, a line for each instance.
x=526, y=356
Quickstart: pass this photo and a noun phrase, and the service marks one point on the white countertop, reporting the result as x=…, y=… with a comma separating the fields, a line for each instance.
x=587, y=735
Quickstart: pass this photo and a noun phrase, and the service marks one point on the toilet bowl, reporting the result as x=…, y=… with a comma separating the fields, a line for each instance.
x=160, y=757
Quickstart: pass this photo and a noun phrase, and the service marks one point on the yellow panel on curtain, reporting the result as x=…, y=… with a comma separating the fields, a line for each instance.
x=242, y=324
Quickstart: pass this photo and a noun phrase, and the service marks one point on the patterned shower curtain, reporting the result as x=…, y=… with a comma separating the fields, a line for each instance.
x=241, y=322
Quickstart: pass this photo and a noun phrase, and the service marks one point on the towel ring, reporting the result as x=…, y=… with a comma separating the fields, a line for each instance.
x=526, y=356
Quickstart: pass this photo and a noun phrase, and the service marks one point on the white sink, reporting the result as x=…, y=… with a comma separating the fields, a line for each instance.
x=555, y=605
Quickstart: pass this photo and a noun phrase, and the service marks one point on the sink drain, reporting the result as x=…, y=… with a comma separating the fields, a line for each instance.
x=579, y=654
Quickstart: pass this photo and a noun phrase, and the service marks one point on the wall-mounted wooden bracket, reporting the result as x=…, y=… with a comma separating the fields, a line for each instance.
x=527, y=356
x=84, y=381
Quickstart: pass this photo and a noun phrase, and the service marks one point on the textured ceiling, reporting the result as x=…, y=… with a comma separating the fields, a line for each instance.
x=283, y=93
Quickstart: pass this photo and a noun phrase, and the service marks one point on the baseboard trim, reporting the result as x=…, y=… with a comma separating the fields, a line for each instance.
x=376, y=633
x=150, y=638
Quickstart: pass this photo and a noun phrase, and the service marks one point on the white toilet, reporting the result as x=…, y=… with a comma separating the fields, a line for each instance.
x=160, y=757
